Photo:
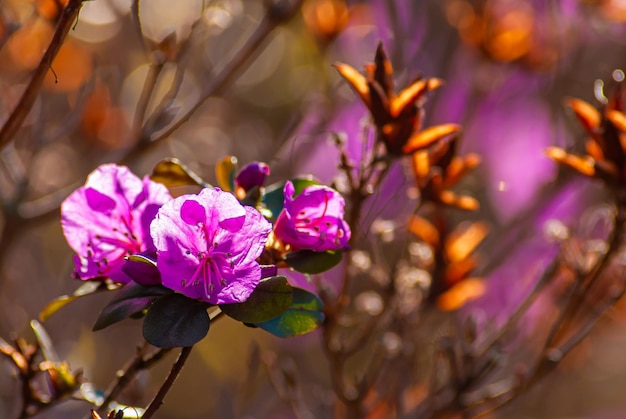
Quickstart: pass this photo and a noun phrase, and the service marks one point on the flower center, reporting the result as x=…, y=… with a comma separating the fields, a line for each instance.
x=213, y=266
x=121, y=242
x=315, y=224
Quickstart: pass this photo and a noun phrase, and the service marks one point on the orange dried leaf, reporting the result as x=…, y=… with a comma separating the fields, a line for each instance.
x=17, y=358
x=583, y=165
x=467, y=203
x=460, y=294
x=421, y=164
x=594, y=150
x=356, y=80
x=458, y=168
x=424, y=230
x=429, y=136
x=586, y=113
x=448, y=197
x=412, y=93
x=463, y=202
x=370, y=71
x=456, y=272
x=464, y=240
x=617, y=118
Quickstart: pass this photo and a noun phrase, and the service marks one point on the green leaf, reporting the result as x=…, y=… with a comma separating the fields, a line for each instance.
x=274, y=198
x=130, y=299
x=141, y=259
x=44, y=342
x=310, y=262
x=304, y=315
x=171, y=173
x=87, y=288
x=142, y=269
x=268, y=300
x=225, y=173
x=176, y=321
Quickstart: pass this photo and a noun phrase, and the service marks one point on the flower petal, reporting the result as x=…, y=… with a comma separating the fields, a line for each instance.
x=212, y=259
x=108, y=218
x=192, y=212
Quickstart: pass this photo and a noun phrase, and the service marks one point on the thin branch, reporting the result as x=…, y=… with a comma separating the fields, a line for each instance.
x=545, y=279
x=167, y=384
x=230, y=72
x=580, y=288
x=21, y=110
x=146, y=94
x=233, y=69
x=137, y=27
x=138, y=363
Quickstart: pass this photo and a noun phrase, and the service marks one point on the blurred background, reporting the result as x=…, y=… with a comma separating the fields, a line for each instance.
x=507, y=66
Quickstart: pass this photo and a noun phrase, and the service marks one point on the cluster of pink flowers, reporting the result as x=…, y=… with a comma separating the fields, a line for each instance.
x=205, y=246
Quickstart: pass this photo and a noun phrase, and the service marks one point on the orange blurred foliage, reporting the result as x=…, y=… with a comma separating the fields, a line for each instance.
x=50, y=9
x=73, y=67
x=102, y=122
x=504, y=31
x=325, y=18
x=26, y=46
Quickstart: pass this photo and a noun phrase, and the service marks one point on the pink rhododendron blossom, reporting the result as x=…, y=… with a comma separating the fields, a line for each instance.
x=109, y=218
x=253, y=174
x=207, y=246
x=313, y=220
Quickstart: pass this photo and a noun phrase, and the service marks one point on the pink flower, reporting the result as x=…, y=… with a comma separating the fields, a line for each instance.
x=207, y=246
x=313, y=220
x=252, y=175
x=109, y=218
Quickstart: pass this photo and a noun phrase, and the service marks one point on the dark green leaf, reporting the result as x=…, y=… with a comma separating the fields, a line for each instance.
x=141, y=259
x=87, y=288
x=310, y=262
x=176, y=321
x=171, y=172
x=131, y=299
x=142, y=269
x=273, y=198
x=268, y=300
x=304, y=315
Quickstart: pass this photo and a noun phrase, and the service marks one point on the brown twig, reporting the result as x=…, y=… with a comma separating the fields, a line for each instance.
x=138, y=363
x=551, y=355
x=17, y=116
x=546, y=277
x=351, y=395
x=154, y=70
x=582, y=285
x=167, y=384
x=228, y=74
